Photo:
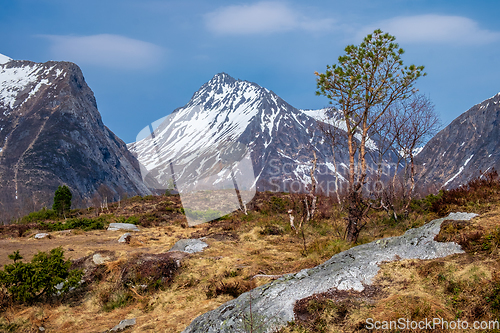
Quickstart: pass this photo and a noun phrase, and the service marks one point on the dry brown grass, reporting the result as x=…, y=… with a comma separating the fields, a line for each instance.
x=241, y=247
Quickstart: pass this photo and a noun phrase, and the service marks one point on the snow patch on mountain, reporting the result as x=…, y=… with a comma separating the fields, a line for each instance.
x=404, y=153
x=316, y=114
x=23, y=79
x=4, y=59
x=459, y=171
x=468, y=160
x=417, y=151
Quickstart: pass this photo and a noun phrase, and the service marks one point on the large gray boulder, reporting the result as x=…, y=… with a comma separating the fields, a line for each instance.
x=189, y=245
x=352, y=269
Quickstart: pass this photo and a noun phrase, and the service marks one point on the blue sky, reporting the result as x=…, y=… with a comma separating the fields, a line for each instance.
x=145, y=58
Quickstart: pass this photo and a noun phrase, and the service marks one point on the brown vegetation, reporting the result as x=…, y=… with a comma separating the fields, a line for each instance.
x=141, y=280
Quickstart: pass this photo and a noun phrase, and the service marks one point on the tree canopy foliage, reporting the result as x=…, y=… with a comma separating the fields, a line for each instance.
x=62, y=200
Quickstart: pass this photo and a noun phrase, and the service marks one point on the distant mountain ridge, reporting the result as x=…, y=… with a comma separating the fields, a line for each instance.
x=51, y=133
x=468, y=147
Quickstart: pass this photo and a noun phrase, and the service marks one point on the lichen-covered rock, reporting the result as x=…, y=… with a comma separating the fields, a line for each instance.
x=352, y=269
x=189, y=245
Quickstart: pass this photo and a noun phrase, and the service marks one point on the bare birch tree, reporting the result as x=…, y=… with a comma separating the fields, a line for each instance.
x=418, y=122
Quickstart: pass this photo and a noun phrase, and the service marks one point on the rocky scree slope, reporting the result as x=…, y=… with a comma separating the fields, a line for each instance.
x=51, y=133
x=353, y=269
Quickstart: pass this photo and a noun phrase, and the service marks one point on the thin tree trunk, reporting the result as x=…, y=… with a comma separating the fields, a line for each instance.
x=336, y=176
x=412, y=181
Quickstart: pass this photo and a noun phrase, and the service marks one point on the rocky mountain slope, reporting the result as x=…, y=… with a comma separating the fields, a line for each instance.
x=467, y=146
x=234, y=129
x=51, y=133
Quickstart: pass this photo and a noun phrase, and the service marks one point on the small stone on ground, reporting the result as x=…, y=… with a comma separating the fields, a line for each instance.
x=125, y=238
x=123, y=325
x=99, y=259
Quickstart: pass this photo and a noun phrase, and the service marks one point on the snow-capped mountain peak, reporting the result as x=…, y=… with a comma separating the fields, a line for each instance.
x=225, y=91
x=220, y=111
x=221, y=79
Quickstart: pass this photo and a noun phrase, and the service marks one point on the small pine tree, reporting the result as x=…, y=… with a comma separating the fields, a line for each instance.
x=62, y=200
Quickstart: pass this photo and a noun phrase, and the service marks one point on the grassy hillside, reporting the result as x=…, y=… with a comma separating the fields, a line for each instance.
x=246, y=251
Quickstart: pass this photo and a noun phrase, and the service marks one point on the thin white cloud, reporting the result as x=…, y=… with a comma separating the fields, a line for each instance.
x=262, y=18
x=435, y=29
x=106, y=50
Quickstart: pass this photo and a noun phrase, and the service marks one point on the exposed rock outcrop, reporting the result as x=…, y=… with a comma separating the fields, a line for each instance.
x=125, y=238
x=349, y=270
x=100, y=258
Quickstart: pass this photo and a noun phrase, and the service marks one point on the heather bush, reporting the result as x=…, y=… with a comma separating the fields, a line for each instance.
x=42, y=215
x=75, y=223
x=473, y=196
x=47, y=274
